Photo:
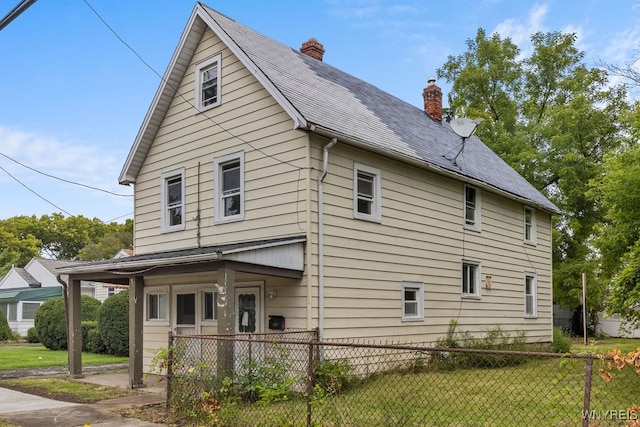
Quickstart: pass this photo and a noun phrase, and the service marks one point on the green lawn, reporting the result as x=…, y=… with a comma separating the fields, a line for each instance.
x=602, y=346
x=19, y=356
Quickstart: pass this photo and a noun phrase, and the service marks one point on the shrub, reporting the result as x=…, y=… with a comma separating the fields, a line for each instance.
x=95, y=344
x=5, y=331
x=113, y=324
x=50, y=320
x=561, y=343
x=333, y=376
x=86, y=327
x=32, y=335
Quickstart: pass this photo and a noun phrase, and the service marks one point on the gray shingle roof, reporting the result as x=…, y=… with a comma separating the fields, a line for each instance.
x=316, y=93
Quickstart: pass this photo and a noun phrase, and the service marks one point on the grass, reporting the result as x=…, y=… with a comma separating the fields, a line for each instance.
x=66, y=389
x=31, y=356
x=603, y=345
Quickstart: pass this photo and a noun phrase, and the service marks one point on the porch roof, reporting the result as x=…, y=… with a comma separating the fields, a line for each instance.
x=277, y=257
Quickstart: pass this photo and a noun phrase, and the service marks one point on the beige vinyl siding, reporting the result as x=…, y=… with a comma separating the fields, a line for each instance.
x=247, y=120
x=421, y=238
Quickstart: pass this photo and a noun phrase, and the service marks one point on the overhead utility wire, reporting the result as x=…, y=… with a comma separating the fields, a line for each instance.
x=65, y=180
x=185, y=99
x=15, y=12
x=25, y=186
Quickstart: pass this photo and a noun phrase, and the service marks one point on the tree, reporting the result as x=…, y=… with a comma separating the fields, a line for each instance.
x=552, y=119
x=117, y=237
x=16, y=250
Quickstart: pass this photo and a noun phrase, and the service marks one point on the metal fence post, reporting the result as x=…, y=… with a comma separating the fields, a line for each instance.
x=169, y=367
x=587, y=392
x=309, y=383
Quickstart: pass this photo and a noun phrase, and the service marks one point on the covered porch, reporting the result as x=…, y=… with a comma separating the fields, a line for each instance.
x=230, y=264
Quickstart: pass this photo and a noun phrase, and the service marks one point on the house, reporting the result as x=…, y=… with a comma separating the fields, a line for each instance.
x=270, y=185
x=23, y=290
x=105, y=290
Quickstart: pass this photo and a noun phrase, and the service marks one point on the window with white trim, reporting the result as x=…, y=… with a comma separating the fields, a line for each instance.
x=10, y=310
x=209, y=305
x=208, y=83
x=367, y=197
x=530, y=295
x=470, y=279
x=29, y=310
x=229, y=187
x=529, y=226
x=412, y=301
x=156, y=304
x=172, y=201
x=471, y=208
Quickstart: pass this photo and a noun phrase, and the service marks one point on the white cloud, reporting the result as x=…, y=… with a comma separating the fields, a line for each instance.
x=520, y=32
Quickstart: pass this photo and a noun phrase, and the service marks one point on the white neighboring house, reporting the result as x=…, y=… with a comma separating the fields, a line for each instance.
x=105, y=290
x=610, y=325
x=23, y=290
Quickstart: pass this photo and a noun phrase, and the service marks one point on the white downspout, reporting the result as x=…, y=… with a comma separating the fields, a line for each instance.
x=325, y=161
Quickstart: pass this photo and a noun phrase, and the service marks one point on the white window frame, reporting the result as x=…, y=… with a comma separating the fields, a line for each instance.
x=474, y=224
x=218, y=196
x=476, y=294
x=376, y=199
x=200, y=68
x=203, y=293
x=157, y=290
x=529, y=226
x=418, y=287
x=23, y=305
x=533, y=295
x=165, y=177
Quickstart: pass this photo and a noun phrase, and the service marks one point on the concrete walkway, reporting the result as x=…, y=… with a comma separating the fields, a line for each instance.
x=25, y=410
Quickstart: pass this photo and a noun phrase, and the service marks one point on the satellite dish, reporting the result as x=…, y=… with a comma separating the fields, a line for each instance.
x=464, y=126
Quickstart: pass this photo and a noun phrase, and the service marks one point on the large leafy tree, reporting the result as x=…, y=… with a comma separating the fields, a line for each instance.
x=552, y=119
x=59, y=237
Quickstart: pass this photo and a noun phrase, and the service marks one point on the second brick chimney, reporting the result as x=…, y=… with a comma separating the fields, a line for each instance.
x=432, y=95
x=313, y=48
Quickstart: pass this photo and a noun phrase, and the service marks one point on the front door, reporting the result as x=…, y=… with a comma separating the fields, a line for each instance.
x=248, y=309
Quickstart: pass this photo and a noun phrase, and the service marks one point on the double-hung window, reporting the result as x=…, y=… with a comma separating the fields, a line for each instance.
x=172, y=200
x=470, y=279
x=229, y=187
x=471, y=208
x=367, y=198
x=209, y=305
x=208, y=83
x=530, y=295
x=157, y=304
x=412, y=301
x=529, y=226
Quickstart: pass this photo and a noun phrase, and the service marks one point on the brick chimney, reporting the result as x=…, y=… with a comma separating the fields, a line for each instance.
x=313, y=48
x=432, y=95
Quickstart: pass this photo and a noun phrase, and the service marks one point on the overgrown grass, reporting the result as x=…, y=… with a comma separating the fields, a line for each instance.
x=66, y=389
x=19, y=356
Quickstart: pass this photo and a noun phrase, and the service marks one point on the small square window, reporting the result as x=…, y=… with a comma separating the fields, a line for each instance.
x=412, y=301
x=367, y=198
x=470, y=279
x=208, y=83
x=229, y=187
x=156, y=306
x=530, y=295
x=529, y=226
x=471, y=208
x=173, y=201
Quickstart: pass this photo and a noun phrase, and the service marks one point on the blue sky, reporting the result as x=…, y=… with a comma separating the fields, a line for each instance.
x=73, y=95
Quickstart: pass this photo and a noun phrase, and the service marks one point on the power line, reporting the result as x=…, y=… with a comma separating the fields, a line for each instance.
x=65, y=180
x=25, y=186
x=187, y=100
x=15, y=12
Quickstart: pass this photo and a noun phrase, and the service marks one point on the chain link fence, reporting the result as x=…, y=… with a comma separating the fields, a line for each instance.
x=290, y=379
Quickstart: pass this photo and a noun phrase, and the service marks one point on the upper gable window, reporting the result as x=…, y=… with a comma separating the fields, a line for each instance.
x=208, y=83
x=529, y=226
x=229, y=187
x=172, y=200
x=471, y=208
x=366, y=193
